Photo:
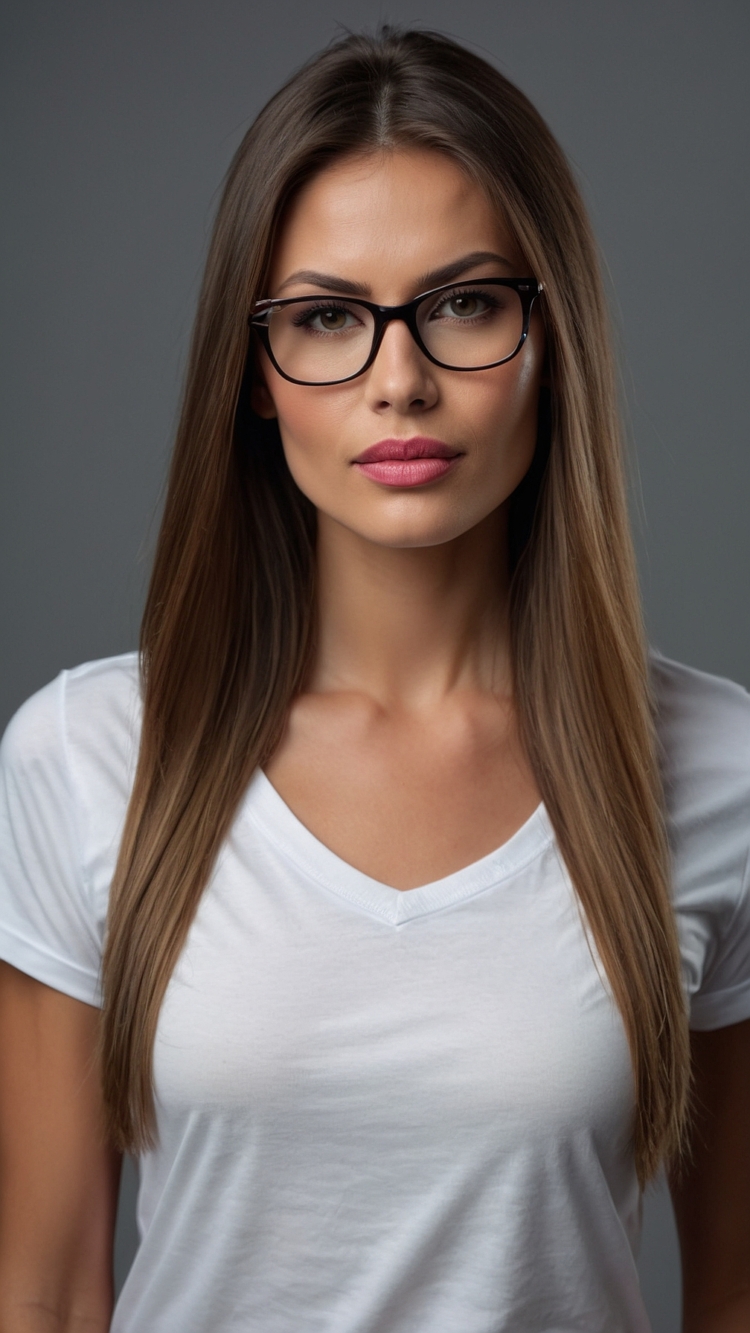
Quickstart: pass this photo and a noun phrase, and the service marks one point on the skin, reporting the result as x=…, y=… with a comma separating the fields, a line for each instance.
x=711, y=1197
x=402, y=755
x=58, y=1176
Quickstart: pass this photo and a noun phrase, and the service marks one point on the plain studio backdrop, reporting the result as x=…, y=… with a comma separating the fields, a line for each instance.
x=120, y=121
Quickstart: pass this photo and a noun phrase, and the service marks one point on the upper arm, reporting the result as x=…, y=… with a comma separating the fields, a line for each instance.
x=711, y=1193
x=58, y=1176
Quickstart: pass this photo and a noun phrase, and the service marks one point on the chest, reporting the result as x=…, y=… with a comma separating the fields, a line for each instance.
x=297, y=1008
x=407, y=801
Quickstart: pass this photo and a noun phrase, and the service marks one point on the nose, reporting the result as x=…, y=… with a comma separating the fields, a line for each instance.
x=400, y=377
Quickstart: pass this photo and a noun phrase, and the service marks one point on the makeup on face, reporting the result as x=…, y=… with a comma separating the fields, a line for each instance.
x=409, y=452
x=416, y=461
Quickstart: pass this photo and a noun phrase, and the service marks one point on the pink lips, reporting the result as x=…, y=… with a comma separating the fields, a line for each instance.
x=412, y=462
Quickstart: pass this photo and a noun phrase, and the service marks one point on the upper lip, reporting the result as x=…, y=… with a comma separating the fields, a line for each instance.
x=418, y=446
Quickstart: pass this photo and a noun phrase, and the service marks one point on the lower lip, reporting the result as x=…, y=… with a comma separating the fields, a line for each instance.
x=408, y=471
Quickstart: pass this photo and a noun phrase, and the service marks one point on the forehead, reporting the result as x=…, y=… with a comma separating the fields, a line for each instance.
x=384, y=216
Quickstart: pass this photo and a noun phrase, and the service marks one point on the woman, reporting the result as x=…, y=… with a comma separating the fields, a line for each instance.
x=396, y=960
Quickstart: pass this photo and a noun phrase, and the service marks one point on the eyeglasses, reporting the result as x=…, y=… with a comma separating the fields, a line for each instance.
x=332, y=339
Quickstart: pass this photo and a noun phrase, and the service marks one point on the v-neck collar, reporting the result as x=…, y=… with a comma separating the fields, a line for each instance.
x=289, y=835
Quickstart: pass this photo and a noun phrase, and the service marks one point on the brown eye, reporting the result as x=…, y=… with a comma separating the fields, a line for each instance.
x=332, y=320
x=463, y=305
x=323, y=318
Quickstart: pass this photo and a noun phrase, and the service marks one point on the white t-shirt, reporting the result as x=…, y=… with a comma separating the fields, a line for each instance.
x=378, y=1111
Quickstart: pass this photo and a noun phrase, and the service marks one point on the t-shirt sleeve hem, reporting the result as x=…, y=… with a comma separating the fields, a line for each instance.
x=56, y=972
x=721, y=1009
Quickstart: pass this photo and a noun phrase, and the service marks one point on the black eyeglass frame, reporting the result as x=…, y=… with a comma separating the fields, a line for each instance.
x=528, y=290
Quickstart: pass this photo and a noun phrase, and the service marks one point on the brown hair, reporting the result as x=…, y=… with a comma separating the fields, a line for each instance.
x=227, y=632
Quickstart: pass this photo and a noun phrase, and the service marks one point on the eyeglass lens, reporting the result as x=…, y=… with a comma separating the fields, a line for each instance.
x=324, y=339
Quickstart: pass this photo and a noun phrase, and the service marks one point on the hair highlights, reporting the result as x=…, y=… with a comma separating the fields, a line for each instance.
x=228, y=629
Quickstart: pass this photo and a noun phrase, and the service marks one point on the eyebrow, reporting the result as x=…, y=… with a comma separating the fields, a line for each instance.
x=438, y=277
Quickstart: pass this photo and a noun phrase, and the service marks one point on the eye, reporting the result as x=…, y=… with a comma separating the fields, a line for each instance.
x=332, y=319
x=464, y=305
x=325, y=318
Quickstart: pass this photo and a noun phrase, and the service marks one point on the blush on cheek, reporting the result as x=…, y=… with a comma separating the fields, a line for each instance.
x=315, y=428
x=312, y=466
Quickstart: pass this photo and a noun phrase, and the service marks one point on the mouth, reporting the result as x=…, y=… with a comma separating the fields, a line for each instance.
x=413, y=462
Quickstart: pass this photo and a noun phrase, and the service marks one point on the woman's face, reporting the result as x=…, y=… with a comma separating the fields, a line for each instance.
x=386, y=224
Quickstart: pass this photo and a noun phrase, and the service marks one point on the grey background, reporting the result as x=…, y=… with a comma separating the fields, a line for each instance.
x=120, y=120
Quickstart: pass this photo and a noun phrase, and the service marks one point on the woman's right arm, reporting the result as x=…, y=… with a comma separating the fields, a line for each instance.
x=58, y=1177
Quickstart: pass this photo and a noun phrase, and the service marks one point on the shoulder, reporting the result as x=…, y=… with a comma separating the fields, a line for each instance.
x=703, y=725
x=66, y=766
x=88, y=716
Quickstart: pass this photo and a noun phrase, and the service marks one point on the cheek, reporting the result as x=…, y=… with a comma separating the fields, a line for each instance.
x=493, y=413
x=312, y=426
x=302, y=413
x=499, y=413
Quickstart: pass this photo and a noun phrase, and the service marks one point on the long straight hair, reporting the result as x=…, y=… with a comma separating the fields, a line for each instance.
x=227, y=634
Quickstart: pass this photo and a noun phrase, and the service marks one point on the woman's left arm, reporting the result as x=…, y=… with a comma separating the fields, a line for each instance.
x=711, y=1195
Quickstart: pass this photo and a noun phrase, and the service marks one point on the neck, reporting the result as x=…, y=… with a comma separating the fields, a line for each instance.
x=407, y=626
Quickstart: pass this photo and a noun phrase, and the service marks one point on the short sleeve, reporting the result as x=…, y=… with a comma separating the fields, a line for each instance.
x=704, y=728
x=48, y=926
x=724, y=995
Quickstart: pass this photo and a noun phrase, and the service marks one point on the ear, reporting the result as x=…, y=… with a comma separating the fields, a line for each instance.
x=261, y=401
x=260, y=398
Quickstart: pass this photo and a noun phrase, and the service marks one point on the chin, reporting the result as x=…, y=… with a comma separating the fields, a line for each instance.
x=411, y=534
